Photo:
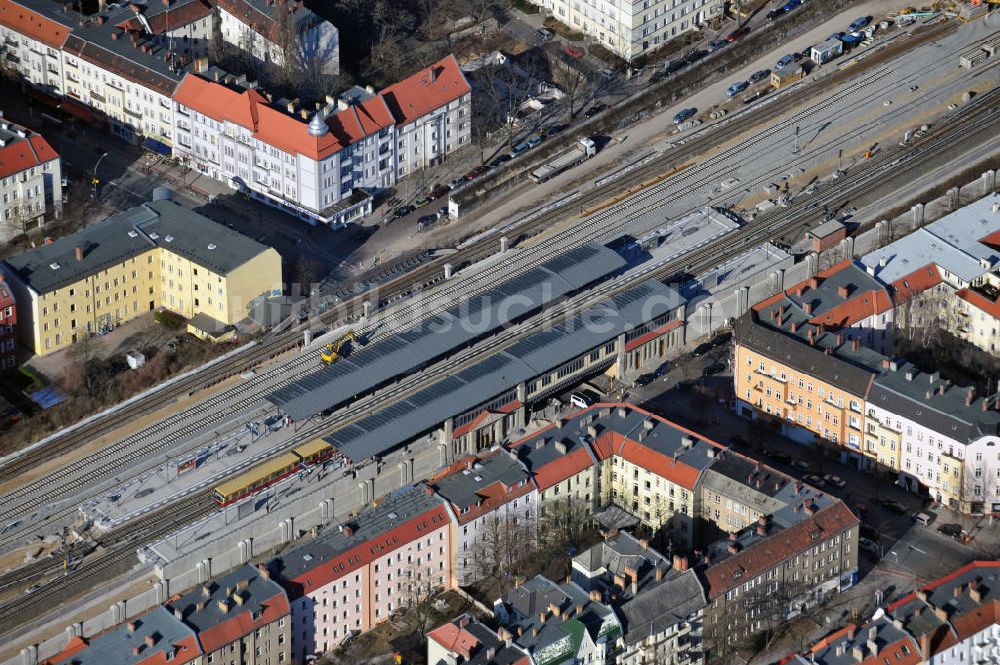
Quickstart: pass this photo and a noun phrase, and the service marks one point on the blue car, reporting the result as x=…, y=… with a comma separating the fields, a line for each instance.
x=858, y=23
x=717, y=44
x=791, y=4
x=684, y=115
x=737, y=88
x=784, y=62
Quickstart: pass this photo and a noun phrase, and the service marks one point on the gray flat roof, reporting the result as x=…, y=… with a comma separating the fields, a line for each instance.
x=542, y=352
x=130, y=233
x=410, y=349
x=256, y=595
x=462, y=488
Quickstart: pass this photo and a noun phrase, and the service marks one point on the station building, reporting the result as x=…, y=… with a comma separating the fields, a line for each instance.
x=156, y=255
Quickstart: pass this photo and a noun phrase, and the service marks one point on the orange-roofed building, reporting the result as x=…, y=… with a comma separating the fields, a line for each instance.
x=320, y=165
x=30, y=180
x=466, y=641
x=349, y=580
x=488, y=498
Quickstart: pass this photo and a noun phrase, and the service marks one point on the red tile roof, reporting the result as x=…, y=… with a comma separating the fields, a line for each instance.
x=916, y=282
x=454, y=639
x=662, y=465
x=242, y=623
x=955, y=574
x=187, y=651
x=428, y=89
x=858, y=308
x=981, y=302
x=33, y=24
x=361, y=555
x=561, y=468
x=25, y=153
x=170, y=19
x=765, y=554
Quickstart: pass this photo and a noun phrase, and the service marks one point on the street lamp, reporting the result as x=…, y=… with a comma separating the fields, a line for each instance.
x=94, y=182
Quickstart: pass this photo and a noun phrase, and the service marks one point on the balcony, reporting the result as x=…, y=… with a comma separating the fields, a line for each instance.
x=98, y=97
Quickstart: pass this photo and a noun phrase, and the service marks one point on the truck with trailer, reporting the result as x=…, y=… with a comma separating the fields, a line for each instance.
x=580, y=152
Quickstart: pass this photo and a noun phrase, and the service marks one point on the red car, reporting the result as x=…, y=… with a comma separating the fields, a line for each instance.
x=736, y=34
x=476, y=172
x=437, y=192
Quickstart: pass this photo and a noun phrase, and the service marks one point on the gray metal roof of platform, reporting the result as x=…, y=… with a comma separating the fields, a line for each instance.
x=541, y=352
x=409, y=349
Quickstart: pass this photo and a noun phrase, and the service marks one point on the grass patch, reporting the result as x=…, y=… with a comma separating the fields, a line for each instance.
x=605, y=56
x=34, y=376
x=168, y=319
x=563, y=30
x=525, y=7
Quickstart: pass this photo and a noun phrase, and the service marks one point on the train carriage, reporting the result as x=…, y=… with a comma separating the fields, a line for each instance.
x=272, y=471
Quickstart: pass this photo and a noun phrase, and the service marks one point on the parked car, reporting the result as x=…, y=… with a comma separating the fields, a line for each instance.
x=860, y=509
x=894, y=506
x=658, y=76
x=737, y=88
x=778, y=455
x=736, y=34
x=555, y=129
x=925, y=518
x=701, y=349
x=868, y=531
x=534, y=141
x=442, y=212
x=836, y=481
x=775, y=13
x=717, y=44
x=721, y=339
x=518, y=149
x=643, y=380
x=713, y=369
x=457, y=182
x=583, y=399
x=437, y=192
x=543, y=34
x=801, y=465
x=760, y=75
x=675, y=65
x=402, y=211
x=593, y=110
x=791, y=4
x=784, y=61
x=662, y=369
x=950, y=529
x=695, y=55
x=858, y=23
x=422, y=201
x=868, y=545
x=427, y=219
x=814, y=480
x=476, y=172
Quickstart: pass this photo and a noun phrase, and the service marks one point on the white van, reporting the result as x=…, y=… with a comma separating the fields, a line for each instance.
x=924, y=519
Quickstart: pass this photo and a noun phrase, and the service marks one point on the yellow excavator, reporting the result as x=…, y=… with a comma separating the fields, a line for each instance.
x=332, y=351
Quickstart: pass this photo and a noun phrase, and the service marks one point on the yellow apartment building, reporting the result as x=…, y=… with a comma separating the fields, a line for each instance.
x=156, y=255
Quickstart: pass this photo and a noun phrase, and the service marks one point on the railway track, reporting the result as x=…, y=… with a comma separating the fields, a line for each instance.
x=600, y=226
x=431, y=273
x=895, y=163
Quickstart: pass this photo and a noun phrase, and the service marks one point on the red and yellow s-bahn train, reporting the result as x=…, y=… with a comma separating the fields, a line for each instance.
x=272, y=471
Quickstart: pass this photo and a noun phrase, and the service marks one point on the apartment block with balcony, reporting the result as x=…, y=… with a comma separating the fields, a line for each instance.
x=30, y=180
x=631, y=28
x=8, y=327
x=321, y=166
x=491, y=499
x=349, y=580
x=954, y=620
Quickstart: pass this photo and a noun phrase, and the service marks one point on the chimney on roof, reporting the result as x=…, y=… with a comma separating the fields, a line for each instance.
x=178, y=613
x=851, y=631
x=941, y=613
x=239, y=598
x=432, y=73
x=921, y=595
x=79, y=253
x=556, y=612
x=659, y=573
x=224, y=605
x=579, y=609
x=930, y=393
x=150, y=641
x=620, y=582
x=542, y=616
x=807, y=307
x=595, y=595
x=885, y=363
x=773, y=314
x=909, y=375
x=975, y=594
x=795, y=326
x=534, y=629
x=734, y=547
x=840, y=648
x=855, y=343
x=842, y=292
x=116, y=34
x=970, y=395
x=684, y=563
x=263, y=571
x=100, y=19
x=898, y=623
x=132, y=626
x=858, y=653
x=136, y=650
x=986, y=404
x=840, y=338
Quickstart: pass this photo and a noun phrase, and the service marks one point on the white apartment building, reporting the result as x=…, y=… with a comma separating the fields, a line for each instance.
x=251, y=26
x=322, y=167
x=630, y=28
x=126, y=61
x=353, y=579
x=30, y=180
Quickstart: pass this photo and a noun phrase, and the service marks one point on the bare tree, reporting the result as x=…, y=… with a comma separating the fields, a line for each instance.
x=501, y=90
x=503, y=544
x=283, y=66
x=563, y=524
x=572, y=82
